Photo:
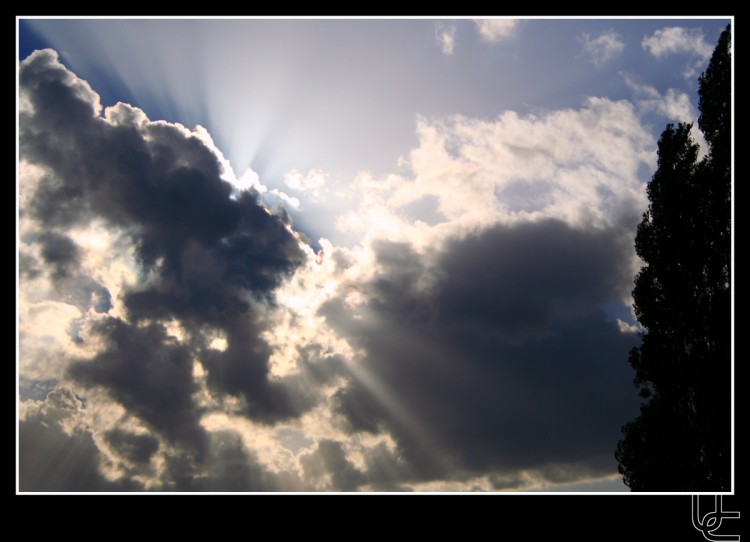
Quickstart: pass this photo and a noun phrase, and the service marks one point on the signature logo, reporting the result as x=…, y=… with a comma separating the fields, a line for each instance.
x=711, y=521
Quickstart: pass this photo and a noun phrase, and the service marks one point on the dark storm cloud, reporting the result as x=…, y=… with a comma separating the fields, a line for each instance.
x=386, y=470
x=28, y=266
x=136, y=448
x=85, y=293
x=532, y=273
x=209, y=255
x=363, y=411
x=241, y=370
x=52, y=459
x=162, y=187
x=231, y=468
x=149, y=374
x=55, y=459
x=505, y=362
x=330, y=458
x=60, y=252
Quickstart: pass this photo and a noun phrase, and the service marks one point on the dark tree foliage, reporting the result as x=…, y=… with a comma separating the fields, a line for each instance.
x=682, y=439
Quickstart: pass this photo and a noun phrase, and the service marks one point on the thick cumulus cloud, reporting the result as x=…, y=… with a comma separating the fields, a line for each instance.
x=583, y=166
x=494, y=355
x=177, y=335
x=571, y=164
x=162, y=268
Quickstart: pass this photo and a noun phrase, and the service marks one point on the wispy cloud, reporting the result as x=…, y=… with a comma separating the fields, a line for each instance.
x=603, y=46
x=675, y=39
x=675, y=105
x=446, y=37
x=678, y=40
x=495, y=30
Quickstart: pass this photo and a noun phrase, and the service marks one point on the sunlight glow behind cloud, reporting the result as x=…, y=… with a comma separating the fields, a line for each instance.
x=242, y=297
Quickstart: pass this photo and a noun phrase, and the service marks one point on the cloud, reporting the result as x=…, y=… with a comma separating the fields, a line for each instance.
x=497, y=349
x=149, y=375
x=674, y=105
x=495, y=30
x=446, y=37
x=60, y=252
x=58, y=450
x=330, y=465
x=678, y=40
x=675, y=39
x=580, y=166
x=494, y=307
x=177, y=334
x=131, y=234
x=602, y=46
x=136, y=448
x=231, y=467
x=63, y=452
x=313, y=183
x=55, y=461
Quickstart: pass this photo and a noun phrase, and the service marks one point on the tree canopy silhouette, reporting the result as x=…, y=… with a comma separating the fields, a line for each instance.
x=682, y=439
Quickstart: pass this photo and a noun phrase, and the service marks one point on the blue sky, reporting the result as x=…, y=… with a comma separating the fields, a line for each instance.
x=377, y=255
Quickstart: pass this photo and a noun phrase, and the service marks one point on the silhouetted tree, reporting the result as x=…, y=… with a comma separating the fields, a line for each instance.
x=682, y=439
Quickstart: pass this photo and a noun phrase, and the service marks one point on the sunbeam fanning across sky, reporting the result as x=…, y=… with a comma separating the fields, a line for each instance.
x=335, y=255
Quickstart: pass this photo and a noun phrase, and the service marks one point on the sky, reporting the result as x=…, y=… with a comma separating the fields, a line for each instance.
x=346, y=255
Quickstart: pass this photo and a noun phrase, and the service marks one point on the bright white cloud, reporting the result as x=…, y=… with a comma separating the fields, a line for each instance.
x=45, y=337
x=675, y=106
x=624, y=327
x=247, y=181
x=675, y=40
x=579, y=166
x=446, y=37
x=603, y=46
x=312, y=183
x=495, y=30
x=575, y=165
